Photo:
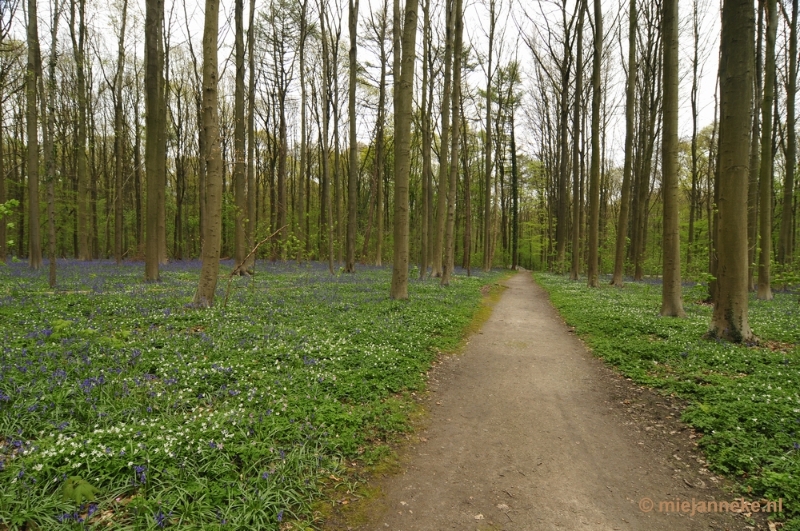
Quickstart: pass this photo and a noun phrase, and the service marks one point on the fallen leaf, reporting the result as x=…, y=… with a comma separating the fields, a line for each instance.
x=502, y=506
x=478, y=517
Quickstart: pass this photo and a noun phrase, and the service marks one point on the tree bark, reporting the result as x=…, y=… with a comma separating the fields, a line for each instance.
x=301, y=214
x=239, y=161
x=627, y=171
x=576, y=140
x=119, y=140
x=594, y=175
x=458, y=44
x=671, y=301
x=729, y=320
x=785, y=242
x=252, y=191
x=764, y=291
x=352, y=174
x=444, y=148
x=82, y=202
x=32, y=74
x=404, y=86
x=487, y=189
x=154, y=17
x=209, y=272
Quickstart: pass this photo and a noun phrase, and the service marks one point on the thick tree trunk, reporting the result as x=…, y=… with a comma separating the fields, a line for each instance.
x=764, y=291
x=671, y=301
x=352, y=174
x=729, y=320
x=404, y=86
x=594, y=175
x=204, y=296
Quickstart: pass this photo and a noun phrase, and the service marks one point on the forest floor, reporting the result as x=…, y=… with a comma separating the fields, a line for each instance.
x=526, y=430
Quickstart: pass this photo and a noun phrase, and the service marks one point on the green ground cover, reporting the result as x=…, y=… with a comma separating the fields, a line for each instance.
x=122, y=408
x=745, y=400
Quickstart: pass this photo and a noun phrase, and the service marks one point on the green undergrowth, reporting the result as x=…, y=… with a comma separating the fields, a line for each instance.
x=123, y=408
x=745, y=400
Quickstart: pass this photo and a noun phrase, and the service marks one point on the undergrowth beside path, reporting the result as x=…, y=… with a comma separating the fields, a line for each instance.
x=744, y=399
x=122, y=407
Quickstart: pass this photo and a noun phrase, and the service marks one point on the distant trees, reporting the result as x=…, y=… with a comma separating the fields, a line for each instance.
x=506, y=157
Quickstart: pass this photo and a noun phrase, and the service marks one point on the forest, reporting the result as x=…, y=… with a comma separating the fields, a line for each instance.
x=331, y=192
x=307, y=137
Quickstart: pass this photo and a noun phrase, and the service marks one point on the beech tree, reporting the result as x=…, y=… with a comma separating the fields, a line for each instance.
x=729, y=320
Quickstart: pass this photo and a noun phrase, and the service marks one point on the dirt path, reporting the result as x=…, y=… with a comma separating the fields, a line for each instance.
x=528, y=431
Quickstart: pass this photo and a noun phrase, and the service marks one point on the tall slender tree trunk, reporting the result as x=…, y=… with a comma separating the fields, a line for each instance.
x=729, y=319
x=594, y=176
x=32, y=75
x=764, y=291
x=301, y=214
x=755, y=156
x=153, y=71
x=425, y=118
x=48, y=109
x=3, y=197
x=627, y=171
x=693, y=206
x=467, y=261
x=380, y=148
x=458, y=44
x=326, y=174
x=252, y=192
x=352, y=175
x=119, y=140
x=444, y=156
x=239, y=160
x=403, y=99
x=576, y=144
x=209, y=272
x=487, y=190
x=82, y=203
x=785, y=241
x=671, y=301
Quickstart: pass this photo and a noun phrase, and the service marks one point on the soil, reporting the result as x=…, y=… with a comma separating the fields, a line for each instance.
x=528, y=431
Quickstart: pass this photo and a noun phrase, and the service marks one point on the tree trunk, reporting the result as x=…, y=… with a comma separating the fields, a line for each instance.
x=301, y=214
x=252, y=192
x=755, y=156
x=630, y=120
x=458, y=44
x=380, y=148
x=671, y=301
x=576, y=140
x=204, y=296
x=154, y=17
x=82, y=203
x=403, y=91
x=239, y=161
x=119, y=145
x=32, y=74
x=352, y=175
x=765, y=174
x=729, y=320
x=594, y=176
x=487, y=190
x=444, y=148
x=785, y=247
